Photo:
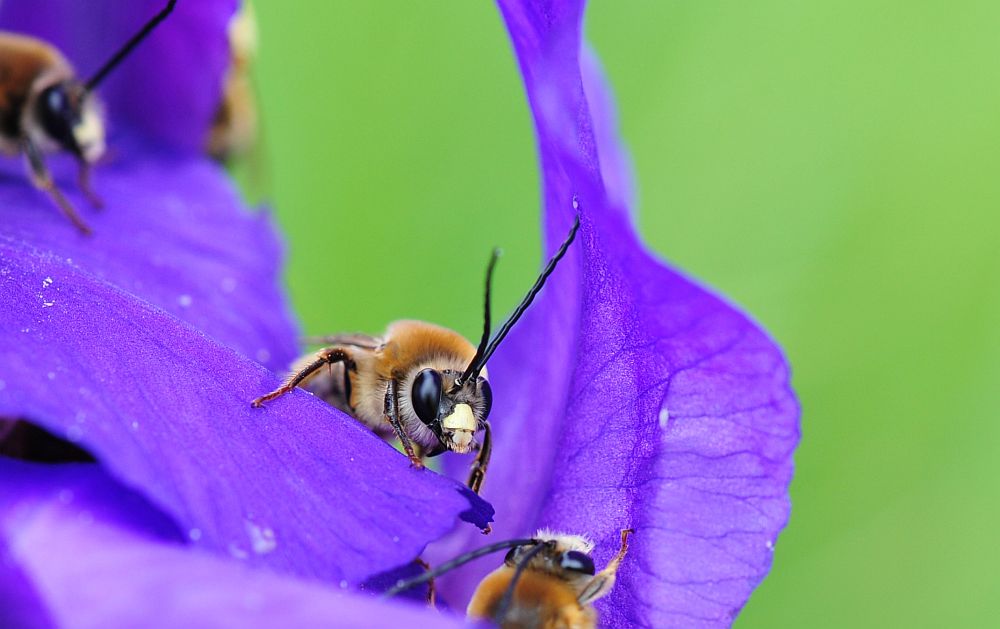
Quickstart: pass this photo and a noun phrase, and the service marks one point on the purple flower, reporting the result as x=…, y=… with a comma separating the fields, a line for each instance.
x=143, y=345
x=630, y=396
x=627, y=396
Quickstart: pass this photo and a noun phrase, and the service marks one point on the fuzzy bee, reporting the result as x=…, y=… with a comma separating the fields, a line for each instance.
x=234, y=128
x=45, y=108
x=424, y=384
x=546, y=582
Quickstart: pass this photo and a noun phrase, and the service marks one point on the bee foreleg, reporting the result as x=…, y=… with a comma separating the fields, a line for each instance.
x=601, y=583
x=42, y=180
x=392, y=414
x=478, y=471
x=324, y=357
x=431, y=590
x=83, y=182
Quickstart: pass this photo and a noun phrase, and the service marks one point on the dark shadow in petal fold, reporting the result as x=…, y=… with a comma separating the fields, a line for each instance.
x=630, y=396
x=173, y=232
x=126, y=571
x=169, y=88
x=297, y=487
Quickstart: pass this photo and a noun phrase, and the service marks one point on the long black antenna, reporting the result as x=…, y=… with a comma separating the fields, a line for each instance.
x=484, y=341
x=456, y=562
x=124, y=51
x=479, y=361
x=508, y=596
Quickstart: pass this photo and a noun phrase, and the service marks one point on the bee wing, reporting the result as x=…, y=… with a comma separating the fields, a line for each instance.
x=363, y=341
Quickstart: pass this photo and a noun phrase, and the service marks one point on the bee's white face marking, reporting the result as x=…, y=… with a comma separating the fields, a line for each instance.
x=460, y=426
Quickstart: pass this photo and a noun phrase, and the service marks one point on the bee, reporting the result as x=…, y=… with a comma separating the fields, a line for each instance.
x=424, y=384
x=45, y=108
x=234, y=128
x=546, y=582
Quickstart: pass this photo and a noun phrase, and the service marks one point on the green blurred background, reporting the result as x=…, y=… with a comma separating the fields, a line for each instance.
x=833, y=167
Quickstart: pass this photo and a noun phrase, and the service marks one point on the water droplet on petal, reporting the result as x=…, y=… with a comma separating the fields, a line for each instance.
x=261, y=538
x=194, y=535
x=664, y=417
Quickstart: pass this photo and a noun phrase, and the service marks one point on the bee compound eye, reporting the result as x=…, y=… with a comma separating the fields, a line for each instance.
x=426, y=395
x=511, y=555
x=576, y=561
x=487, y=393
x=56, y=114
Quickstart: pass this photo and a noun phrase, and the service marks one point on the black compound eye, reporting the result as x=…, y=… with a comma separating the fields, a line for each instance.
x=426, y=395
x=509, y=559
x=576, y=561
x=57, y=114
x=487, y=393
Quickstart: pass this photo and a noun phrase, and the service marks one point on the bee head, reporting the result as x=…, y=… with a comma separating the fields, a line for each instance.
x=70, y=117
x=453, y=412
x=565, y=556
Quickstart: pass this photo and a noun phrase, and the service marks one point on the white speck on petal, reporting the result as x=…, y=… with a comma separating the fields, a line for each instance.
x=135, y=425
x=194, y=535
x=184, y=300
x=343, y=585
x=51, y=375
x=261, y=538
x=769, y=544
x=48, y=304
x=47, y=282
x=664, y=417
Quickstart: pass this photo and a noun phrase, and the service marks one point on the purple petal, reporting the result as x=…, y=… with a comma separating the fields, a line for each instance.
x=298, y=486
x=650, y=403
x=128, y=568
x=170, y=87
x=174, y=233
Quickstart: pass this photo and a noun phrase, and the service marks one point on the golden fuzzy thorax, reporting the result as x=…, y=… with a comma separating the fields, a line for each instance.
x=540, y=601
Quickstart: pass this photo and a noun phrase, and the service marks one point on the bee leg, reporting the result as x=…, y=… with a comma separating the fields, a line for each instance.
x=392, y=414
x=601, y=583
x=83, y=182
x=42, y=180
x=431, y=590
x=478, y=472
x=324, y=357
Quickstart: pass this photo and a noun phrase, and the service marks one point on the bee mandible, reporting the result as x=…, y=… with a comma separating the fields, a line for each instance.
x=424, y=384
x=45, y=108
x=546, y=582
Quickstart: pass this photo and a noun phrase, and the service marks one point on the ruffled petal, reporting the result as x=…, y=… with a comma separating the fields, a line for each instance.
x=631, y=397
x=297, y=486
x=129, y=569
x=174, y=233
x=171, y=85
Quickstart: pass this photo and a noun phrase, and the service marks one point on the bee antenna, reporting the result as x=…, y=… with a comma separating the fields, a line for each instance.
x=508, y=595
x=124, y=51
x=475, y=365
x=482, y=357
x=456, y=562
